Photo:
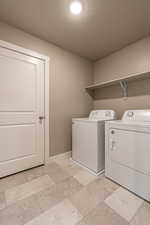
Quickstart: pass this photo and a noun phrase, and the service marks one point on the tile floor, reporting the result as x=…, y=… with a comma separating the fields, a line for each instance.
x=62, y=193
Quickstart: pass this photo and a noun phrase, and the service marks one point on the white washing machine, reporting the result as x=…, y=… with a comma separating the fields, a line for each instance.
x=127, y=146
x=88, y=140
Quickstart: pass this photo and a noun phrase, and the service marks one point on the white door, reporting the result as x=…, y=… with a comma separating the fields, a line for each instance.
x=21, y=106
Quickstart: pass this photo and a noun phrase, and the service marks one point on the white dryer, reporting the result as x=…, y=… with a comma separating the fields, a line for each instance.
x=127, y=147
x=88, y=140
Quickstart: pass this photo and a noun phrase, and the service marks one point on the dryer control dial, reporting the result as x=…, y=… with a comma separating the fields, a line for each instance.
x=130, y=114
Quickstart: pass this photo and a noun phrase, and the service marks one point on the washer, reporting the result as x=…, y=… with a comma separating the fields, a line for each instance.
x=127, y=147
x=88, y=141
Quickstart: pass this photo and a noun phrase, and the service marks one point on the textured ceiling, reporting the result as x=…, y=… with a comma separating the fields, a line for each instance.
x=104, y=26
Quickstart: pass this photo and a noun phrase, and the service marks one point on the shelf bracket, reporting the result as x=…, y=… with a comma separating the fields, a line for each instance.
x=91, y=92
x=124, y=86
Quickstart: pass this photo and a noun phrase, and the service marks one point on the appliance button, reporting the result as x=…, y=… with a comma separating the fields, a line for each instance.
x=107, y=113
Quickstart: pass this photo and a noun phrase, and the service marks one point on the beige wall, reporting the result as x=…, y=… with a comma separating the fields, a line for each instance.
x=69, y=74
x=132, y=59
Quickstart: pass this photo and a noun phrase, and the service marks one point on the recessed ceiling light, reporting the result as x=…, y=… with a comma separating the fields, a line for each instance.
x=76, y=7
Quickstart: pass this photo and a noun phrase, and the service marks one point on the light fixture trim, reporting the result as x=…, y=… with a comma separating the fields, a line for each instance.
x=76, y=7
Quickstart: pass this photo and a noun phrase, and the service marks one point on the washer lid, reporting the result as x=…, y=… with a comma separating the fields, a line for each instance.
x=136, y=115
x=102, y=115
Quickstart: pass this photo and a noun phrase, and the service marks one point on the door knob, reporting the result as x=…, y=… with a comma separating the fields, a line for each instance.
x=41, y=117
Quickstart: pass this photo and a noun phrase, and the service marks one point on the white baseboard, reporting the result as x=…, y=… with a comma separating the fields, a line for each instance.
x=59, y=157
x=89, y=170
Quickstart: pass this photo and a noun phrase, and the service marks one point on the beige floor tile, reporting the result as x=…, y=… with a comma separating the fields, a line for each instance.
x=94, y=193
x=2, y=201
x=85, y=177
x=57, y=173
x=109, y=185
x=73, y=169
x=47, y=199
x=83, y=223
x=34, y=173
x=23, y=191
x=57, y=193
x=69, y=166
x=20, y=212
x=84, y=202
x=142, y=217
x=28, y=209
x=124, y=203
x=10, y=216
x=103, y=184
x=52, y=169
x=12, y=181
x=62, y=214
x=103, y=215
x=66, y=188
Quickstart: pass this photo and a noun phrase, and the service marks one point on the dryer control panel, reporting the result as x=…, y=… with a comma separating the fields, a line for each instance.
x=137, y=115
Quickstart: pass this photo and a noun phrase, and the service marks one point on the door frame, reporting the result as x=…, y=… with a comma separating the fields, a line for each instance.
x=46, y=60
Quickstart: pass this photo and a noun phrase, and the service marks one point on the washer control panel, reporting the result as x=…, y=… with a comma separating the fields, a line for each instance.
x=102, y=115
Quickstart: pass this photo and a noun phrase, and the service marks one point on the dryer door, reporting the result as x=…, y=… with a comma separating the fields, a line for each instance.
x=130, y=149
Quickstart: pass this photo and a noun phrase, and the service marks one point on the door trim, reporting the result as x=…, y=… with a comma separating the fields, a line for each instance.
x=46, y=60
